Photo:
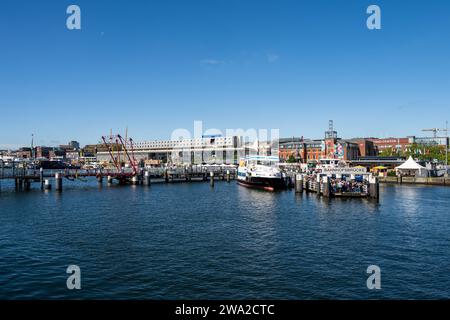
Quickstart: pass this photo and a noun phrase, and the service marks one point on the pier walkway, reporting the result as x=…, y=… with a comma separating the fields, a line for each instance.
x=23, y=177
x=328, y=186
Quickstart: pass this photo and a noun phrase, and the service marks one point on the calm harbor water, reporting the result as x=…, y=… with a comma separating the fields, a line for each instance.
x=188, y=241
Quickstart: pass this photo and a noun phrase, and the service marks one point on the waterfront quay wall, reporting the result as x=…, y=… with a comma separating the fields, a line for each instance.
x=435, y=181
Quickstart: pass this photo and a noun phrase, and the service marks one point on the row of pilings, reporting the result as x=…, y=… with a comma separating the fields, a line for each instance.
x=144, y=177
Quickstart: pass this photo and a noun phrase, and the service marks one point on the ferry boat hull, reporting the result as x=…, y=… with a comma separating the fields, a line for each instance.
x=263, y=184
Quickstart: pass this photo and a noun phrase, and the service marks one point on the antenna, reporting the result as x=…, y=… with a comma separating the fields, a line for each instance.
x=32, y=146
x=331, y=133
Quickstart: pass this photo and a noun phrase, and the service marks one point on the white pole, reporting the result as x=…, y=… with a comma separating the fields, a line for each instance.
x=446, y=145
x=446, y=142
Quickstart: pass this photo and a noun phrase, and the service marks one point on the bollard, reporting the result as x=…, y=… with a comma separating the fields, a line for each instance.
x=299, y=183
x=211, y=179
x=99, y=178
x=47, y=184
x=58, y=181
x=147, y=180
x=228, y=176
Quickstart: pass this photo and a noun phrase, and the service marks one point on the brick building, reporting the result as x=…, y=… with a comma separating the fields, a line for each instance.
x=24, y=153
x=399, y=144
x=307, y=150
x=367, y=147
x=43, y=152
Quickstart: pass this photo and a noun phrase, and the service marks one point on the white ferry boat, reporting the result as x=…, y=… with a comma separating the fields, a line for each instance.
x=261, y=172
x=329, y=163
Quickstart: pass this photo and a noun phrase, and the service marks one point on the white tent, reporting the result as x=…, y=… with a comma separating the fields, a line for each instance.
x=410, y=166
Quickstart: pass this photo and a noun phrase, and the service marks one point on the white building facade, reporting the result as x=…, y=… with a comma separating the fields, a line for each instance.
x=206, y=150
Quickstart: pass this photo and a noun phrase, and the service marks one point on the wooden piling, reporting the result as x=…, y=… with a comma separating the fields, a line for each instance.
x=211, y=179
x=147, y=180
x=299, y=183
x=166, y=176
x=135, y=180
x=58, y=181
x=41, y=178
x=326, y=187
x=374, y=187
x=47, y=185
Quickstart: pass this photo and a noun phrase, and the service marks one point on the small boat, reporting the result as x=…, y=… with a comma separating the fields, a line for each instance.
x=261, y=172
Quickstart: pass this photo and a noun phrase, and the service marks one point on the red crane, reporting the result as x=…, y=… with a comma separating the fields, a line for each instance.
x=121, y=146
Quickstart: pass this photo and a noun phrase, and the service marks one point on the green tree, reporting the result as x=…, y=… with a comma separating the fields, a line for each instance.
x=423, y=152
x=291, y=159
x=426, y=152
x=389, y=152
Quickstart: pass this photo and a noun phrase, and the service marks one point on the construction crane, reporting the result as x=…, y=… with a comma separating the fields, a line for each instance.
x=435, y=131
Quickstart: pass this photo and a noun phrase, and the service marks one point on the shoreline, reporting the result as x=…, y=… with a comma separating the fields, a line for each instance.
x=431, y=181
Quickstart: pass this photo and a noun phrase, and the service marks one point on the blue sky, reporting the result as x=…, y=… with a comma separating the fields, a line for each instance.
x=154, y=66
